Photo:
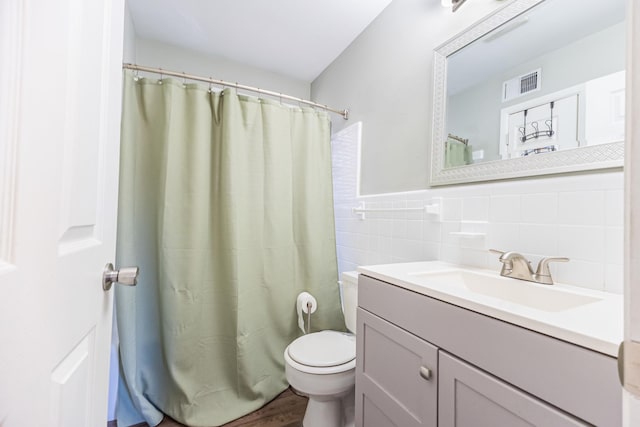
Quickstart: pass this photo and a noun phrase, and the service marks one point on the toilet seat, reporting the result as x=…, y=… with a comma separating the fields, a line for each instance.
x=325, y=352
x=323, y=349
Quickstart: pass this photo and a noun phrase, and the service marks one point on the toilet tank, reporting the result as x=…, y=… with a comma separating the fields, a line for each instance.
x=349, y=287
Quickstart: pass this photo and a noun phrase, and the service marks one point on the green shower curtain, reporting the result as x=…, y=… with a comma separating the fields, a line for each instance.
x=226, y=207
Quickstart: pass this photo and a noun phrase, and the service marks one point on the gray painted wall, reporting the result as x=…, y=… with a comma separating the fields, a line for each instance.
x=129, y=48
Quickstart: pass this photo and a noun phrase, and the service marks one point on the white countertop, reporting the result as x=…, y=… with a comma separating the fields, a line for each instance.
x=597, y=325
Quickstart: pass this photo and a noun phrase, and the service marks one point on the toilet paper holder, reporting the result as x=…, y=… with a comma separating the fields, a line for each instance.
x=305, y=304
x=309, y=305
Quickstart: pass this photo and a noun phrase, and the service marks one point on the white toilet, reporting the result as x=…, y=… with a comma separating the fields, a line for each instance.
x=322, y=365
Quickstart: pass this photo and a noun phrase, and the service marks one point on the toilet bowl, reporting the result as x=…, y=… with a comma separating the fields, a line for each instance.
x=322, y=366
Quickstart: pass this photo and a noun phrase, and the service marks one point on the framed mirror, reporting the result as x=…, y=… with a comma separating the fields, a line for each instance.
x=535, y=88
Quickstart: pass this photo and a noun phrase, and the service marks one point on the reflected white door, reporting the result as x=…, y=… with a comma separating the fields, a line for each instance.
x=60, y=100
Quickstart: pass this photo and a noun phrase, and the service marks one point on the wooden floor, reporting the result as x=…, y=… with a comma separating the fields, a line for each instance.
x=286, y=410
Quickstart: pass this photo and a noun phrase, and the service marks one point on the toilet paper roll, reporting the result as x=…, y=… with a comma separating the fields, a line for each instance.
x=305, y=298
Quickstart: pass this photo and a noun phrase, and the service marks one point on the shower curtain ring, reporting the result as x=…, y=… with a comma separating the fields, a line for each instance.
x=184, y=80
x=136, y=75
x=210, y=90
x=161, y=77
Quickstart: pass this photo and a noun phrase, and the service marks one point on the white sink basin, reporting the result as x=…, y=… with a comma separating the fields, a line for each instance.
x=541, y=297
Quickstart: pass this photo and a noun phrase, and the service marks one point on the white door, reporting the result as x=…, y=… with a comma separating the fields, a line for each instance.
x=632, y=221
x=60, y=100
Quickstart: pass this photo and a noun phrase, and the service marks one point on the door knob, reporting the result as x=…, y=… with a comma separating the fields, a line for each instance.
x=125, y=276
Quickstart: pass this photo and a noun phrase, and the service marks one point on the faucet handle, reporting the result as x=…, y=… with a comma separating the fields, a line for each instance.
x=509, y=256
x=496, y=251
x=543, y=273
x=507, y=265
x=506, y=262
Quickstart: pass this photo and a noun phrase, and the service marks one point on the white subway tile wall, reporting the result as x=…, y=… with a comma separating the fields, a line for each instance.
x=578, y=216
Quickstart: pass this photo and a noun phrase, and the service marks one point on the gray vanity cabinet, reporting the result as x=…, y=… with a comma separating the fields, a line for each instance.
x=424, y=362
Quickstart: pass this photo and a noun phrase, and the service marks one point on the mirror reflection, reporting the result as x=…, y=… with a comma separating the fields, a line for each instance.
x=550, y=79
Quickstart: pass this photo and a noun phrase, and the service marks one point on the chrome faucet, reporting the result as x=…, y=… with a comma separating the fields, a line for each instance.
x=516, y=266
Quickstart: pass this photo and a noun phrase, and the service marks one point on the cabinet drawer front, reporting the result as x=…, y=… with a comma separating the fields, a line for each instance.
x=472, y=398
x=396, y=374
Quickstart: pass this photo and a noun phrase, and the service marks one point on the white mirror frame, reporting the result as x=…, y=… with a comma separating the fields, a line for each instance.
x=603, y=156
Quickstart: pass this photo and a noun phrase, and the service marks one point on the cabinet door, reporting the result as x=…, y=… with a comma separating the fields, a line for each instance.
x=396, y=376
x=469, y=397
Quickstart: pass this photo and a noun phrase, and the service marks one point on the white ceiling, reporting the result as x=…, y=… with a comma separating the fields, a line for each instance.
x=297, y=38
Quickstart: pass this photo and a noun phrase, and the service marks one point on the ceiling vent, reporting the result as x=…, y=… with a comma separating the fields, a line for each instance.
x=521, y=85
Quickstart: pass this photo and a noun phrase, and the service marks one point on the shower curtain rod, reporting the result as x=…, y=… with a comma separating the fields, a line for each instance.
x=344, y=113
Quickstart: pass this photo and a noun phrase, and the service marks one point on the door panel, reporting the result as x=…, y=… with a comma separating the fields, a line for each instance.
x=60, y=77
x=374, y=416
x=396, y=375
x=82, y=129
x=71, y=384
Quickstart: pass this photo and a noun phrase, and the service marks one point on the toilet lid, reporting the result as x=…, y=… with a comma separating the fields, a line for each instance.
x=322, y=349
